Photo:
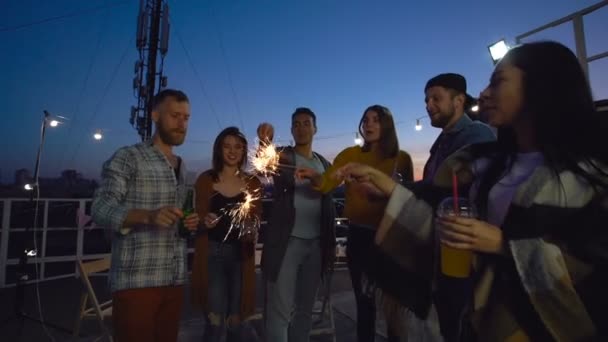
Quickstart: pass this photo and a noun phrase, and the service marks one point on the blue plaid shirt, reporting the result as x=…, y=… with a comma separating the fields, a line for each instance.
x=141, y=177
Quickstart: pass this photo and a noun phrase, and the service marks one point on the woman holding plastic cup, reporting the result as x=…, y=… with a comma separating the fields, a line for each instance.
x=455, y=262
x=538, y=242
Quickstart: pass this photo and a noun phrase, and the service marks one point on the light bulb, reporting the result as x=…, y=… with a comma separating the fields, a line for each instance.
x=358, y=140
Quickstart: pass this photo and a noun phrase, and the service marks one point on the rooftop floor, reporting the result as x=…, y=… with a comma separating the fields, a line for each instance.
x=59, y=300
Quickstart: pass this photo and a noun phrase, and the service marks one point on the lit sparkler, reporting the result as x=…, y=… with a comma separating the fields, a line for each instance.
x=241, y=217
x=265, y=159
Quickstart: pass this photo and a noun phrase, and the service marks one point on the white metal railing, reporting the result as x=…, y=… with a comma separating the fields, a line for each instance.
x=579, y=34
x=42, y=260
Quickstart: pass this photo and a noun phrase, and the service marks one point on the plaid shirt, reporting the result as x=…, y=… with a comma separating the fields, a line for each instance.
x=140, y=177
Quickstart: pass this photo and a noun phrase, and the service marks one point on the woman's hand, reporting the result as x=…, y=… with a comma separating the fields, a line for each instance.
x=470, y=234
x=211, y=220
x=354, y=172
x=376, y=182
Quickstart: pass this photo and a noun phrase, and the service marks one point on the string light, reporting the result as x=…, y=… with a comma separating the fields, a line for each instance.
x=98, y=135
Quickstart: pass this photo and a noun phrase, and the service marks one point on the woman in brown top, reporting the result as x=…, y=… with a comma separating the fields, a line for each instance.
x=223, y=272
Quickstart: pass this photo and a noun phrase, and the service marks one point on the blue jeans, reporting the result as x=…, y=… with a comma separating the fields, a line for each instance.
x=224, y=267
x=291, y=298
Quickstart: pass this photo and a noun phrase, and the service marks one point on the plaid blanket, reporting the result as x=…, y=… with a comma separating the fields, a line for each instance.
x=557, y=234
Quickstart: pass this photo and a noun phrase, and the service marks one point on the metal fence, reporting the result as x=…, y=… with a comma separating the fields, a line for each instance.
x=64, y=235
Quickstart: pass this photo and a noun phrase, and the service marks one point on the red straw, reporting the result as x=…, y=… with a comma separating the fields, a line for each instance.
x=455, y=193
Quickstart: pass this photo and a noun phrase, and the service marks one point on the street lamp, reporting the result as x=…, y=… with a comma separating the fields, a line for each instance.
x=498, y=50
x=29, y=247
x=475, y=108
x=47, y=121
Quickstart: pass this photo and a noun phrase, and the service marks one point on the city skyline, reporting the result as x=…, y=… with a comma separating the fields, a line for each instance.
x=245, y=63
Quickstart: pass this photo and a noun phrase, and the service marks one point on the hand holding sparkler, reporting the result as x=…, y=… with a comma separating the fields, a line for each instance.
x=211, y=220
x=265, y=158
x=315, y=177
x=376, y=181
x=265, y=133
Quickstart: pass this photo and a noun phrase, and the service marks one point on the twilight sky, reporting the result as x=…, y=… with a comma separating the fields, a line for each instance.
x=255, y=61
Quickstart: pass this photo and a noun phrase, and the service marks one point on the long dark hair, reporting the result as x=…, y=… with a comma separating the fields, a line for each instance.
x=566, y=125
x=389, y=144
x=218, y=159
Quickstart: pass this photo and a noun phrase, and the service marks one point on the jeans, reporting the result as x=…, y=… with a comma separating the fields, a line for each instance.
x=224, y=297
x=290, y=300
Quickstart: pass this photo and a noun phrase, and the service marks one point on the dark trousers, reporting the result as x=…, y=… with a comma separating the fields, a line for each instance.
x=358, y=247
x=452, y=300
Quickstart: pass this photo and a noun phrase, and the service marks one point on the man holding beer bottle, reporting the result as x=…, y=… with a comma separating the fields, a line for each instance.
x=187, y=210
x=140, y=196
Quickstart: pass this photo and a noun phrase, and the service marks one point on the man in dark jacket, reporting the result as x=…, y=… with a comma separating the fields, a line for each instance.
x=446, y=104
x=299, y=240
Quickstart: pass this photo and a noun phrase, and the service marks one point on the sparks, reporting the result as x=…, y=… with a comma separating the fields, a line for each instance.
x=265, y=159
x=241, y=217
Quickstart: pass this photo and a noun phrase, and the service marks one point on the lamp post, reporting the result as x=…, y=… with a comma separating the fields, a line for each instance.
x=29, y=248
x=47, y=121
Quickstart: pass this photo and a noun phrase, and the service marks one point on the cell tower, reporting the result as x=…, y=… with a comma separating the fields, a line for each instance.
x=152, y=38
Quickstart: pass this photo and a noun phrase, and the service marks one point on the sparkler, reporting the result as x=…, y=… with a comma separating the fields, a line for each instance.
x=265, y=160
x=241, y=217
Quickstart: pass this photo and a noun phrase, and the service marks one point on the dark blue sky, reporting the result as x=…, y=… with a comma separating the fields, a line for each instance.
x=335, y=56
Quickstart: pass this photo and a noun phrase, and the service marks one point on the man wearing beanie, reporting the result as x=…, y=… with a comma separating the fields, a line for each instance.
x=446, y=102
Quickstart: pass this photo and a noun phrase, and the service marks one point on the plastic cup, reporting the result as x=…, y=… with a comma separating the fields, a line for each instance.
x=456, y=262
